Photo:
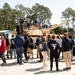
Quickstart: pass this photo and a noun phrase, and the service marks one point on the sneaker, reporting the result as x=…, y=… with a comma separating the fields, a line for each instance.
x=11, y=57
x=57, y=69
x=40, y=61
x=50, y=69
x=26, y=61
x=28, y=57
x=18, y=62
x=3, y=64
x=69, y=68
x=15, y=57
x=65, y=68
x=22, y=64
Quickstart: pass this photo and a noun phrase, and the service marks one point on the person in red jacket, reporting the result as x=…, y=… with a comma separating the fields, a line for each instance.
x=2, y=50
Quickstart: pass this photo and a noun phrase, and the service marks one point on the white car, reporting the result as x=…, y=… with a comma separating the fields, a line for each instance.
x=4, y=32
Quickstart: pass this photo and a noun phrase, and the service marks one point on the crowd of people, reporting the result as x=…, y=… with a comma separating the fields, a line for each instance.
x=47, y=46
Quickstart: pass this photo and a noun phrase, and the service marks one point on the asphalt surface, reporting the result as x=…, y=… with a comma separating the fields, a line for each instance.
x=33, y=67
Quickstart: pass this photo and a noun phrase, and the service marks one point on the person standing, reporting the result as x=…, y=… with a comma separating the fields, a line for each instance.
x=7, y=45
x=40, y=41
x=59, y=40
x=44, y=51
x=37, y=43
x=72, y=40
x=19, y=48
x=13, y=47
x=48, y=52
x=54, y=52
x=31, y=46
x=67, y=46
x=26, y=44
x=74, y=48
x=2, y=50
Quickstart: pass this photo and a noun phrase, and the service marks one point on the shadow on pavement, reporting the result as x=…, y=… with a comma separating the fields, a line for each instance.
x=34, y=69
x=41, y=71
x=61, y=60
x=48, y=71
x=11, y=64
x=73, y=63
x=33, y=62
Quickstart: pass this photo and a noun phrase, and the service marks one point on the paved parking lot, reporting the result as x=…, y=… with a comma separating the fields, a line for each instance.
x=34, y=68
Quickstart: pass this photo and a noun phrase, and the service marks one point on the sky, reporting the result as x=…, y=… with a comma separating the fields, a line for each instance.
x=56, y=6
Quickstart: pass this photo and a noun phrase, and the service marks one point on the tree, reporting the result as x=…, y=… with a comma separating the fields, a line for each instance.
x=71, y=30
x=58, y=30
x=7, y=15
x=64, y=30
x=69, y=13
x=41, y=12
x=24, y=11
x=20, y=10
x=1, y=19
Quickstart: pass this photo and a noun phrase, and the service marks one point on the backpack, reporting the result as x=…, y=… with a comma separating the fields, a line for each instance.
x=37, y=41
x=7, y=42
x=67, y=43
x=45, y=47
x=41, y=45
x=31, y=45
x=26, y=43
x=13, y=43
x=71, y=44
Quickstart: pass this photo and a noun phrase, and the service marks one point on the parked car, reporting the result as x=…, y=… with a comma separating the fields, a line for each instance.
x=4, y=32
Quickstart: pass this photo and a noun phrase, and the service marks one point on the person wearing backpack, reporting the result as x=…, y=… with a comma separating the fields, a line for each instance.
x=66, y=47
x=44, y=49
x=72, y=40
x=30, y=46
x=26, y=45
x=74, y=48
x=13, y=47
x=37, y=43
x=40, y=48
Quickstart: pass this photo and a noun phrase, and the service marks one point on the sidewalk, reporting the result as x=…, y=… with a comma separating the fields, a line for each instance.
x=34, y=68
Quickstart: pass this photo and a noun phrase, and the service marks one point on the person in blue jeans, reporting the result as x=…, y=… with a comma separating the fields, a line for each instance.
x=13, y=47
x=19, y=55
x=19, y=48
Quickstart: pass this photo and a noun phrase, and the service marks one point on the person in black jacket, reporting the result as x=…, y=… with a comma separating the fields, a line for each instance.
x=37, y=43
x=13, y=47
x=26, y=43
x=39, y=39
x=72, y=40
x=66, y=46
x=7, y=45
